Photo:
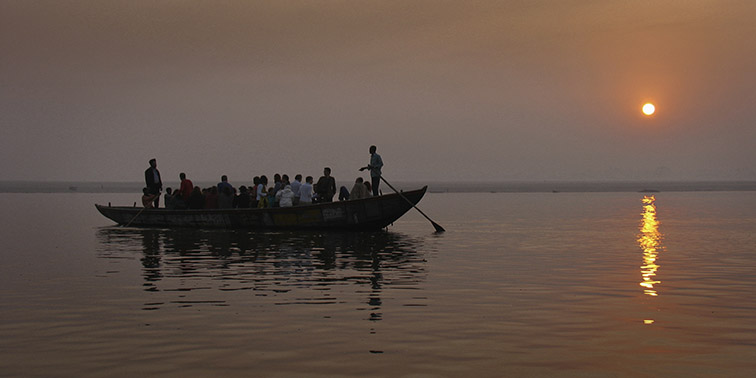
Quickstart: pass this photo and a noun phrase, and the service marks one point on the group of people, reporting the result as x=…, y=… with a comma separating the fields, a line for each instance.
x=282, y=193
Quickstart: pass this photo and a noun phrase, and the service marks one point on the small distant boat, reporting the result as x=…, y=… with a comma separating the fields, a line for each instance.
x=372, y=213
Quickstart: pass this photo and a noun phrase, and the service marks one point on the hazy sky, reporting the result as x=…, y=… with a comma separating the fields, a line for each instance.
x=447, y=90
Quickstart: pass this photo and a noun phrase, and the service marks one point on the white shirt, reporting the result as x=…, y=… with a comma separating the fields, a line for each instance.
x=295, y=188
x=285, y=196
x=305, y=193
x=260, y=194
x=376, y=163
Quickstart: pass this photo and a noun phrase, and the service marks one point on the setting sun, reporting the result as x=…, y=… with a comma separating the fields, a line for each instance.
x=649, y=108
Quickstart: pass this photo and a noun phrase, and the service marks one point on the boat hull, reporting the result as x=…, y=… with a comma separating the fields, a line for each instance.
x=372, y=213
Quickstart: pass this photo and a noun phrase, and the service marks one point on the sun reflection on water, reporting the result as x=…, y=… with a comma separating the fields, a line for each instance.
x=649, y=240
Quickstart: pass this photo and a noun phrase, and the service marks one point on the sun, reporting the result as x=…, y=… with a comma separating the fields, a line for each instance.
x=649, y=109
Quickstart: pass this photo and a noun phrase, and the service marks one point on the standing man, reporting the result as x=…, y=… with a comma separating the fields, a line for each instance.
x=225, y=194
x=376, y=163
x=295, y=185
x=152, y=179
x=326, y=186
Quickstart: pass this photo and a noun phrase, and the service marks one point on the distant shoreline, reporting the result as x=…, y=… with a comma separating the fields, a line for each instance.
x=433, y=186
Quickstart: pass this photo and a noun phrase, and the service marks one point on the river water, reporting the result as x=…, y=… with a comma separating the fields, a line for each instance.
x=521, y=284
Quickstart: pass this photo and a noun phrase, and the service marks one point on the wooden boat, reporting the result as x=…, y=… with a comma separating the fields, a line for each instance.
x=372, y=213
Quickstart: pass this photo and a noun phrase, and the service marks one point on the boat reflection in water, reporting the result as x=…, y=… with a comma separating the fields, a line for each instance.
x=649, y=241
x=312, y=267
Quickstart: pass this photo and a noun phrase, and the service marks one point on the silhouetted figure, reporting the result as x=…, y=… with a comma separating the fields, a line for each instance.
x=242, y=200
x=326, y=186
x=153, y=181
x=196, y=199
x=343, y=194
x=277, y=185
x=376, y=163
x=211, y=199
x=253, y=192
x=168, y=199
x=186, y=188
x=224, y=184
x=359, y=190
x=225, y=194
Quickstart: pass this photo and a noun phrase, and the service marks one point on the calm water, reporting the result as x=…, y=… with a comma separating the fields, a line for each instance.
x=521, y=284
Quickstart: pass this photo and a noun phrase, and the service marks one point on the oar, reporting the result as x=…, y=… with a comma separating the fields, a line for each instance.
x=135, y=217
x=438, y=227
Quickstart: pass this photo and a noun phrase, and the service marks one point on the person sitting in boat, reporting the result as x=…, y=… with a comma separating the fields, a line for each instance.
x=369, y=189
x=148, y=199
x=343, y=193
x=173, y=200
x=285, y=197
x=305, y=192
x=211, y=198
x=196, y=199
x=168, y=199
x=270, y=198
x=326, y=186
x=359, y=190
x=242, y=200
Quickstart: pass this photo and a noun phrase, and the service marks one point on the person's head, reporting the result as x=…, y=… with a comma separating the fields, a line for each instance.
x=168, y=191
x=182, y=176
x=277, y=178
x=298, y=177
x=285, y=179
x=153, y=163
x=326, y=171
x=368, y=185
x=308, y=180
x=256, y=180
x=372, y=149
x=264, y=180
x=197, y=190
x=242, y=189
x=224, y=178
x=359, y=180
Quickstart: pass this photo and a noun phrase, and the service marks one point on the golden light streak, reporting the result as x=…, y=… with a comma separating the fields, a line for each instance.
x=649, y=240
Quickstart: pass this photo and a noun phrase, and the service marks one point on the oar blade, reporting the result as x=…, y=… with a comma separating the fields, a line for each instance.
x=438, y=228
